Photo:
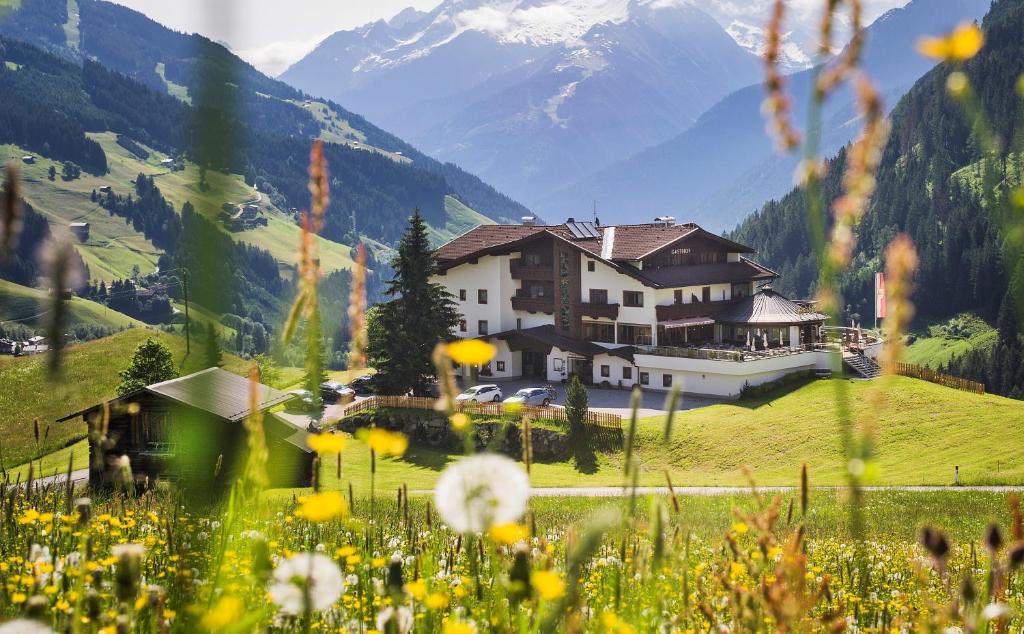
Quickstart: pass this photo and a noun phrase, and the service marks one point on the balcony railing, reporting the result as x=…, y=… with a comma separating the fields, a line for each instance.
x=522, y=271
x=587, y=309
x=736, y=354
x=534, y=304
x=696, y=309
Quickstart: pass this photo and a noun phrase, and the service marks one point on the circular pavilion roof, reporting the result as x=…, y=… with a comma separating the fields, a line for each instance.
x=768, y=307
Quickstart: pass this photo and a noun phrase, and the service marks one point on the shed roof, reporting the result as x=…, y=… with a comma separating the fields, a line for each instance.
x=219, y=392
x=767, y=307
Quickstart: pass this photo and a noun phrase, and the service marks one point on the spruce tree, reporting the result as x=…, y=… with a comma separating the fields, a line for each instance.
x=417, y=316
x=576, y=406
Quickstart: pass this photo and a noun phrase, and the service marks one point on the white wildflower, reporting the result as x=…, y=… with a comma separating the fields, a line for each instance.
x=306, y=574
x=482, y=490
x=402, y=618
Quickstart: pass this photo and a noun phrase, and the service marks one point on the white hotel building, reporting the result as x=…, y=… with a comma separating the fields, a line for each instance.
x=655, y=305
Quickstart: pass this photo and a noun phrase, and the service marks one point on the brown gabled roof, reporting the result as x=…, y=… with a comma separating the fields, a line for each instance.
x=627, y=243
x=633, y=242
x=482, y=239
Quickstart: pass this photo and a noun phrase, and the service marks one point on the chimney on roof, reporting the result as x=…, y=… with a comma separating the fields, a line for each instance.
x=570, y=220
x=529, y=221
x=668, y=221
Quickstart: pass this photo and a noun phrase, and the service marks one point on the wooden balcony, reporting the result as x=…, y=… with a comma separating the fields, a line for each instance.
x=534, y=304
x=522, y=271
x=696, y=309
x=587, y=309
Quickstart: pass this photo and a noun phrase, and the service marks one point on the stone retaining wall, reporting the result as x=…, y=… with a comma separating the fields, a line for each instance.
x=432, y=430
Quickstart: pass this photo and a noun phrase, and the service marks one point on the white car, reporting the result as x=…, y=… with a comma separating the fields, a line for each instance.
x=485, y=393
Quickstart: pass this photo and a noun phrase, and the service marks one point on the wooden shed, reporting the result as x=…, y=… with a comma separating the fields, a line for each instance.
x=191, y=430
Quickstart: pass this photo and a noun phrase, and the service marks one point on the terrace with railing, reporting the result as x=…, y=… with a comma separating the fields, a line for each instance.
x=725, y=352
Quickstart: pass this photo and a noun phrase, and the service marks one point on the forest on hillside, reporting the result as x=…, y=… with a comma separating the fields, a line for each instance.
x=938, y=185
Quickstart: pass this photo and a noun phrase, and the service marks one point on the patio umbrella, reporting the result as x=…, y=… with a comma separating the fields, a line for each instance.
x=765, y=339
x=748, y=338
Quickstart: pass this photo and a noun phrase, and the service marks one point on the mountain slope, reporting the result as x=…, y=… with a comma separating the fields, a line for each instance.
x=725, y=165
x=934, y=185
x=261, y=112
x=531, y=94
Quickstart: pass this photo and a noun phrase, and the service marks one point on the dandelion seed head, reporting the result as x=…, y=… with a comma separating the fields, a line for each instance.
x=477, y=492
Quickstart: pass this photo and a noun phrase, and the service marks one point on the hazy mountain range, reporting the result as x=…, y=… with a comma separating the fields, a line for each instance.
x=532, y=94
x=559, y=103
x=725, y=166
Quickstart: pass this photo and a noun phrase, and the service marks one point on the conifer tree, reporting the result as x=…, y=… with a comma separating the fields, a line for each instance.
x=315, y=364
x=417, y=316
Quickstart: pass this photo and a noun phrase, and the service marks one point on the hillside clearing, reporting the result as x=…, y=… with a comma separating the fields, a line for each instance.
x=953, y=338
x=18, y=302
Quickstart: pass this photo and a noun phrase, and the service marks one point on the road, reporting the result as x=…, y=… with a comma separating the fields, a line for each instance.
x=81, y=475
x=606, y=492
x=722, y=490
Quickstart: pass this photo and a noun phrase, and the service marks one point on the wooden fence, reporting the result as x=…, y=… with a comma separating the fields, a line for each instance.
x=928, y=374
x=598, y=419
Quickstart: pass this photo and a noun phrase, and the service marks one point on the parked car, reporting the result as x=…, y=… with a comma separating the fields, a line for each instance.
x=334, y=392
x=301, y=399
x=364, y=385
x=534, y=396
x=485, y=393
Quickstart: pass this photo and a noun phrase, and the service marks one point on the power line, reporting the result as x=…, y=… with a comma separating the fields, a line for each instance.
x=25, y=319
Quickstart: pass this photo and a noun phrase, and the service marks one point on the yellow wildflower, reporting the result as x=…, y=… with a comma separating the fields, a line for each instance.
x=416, y=589
x=962, y=44
x=226, y=613
x=18, y=598
x=458, y=627
x=471, y=351
x=436, y=601
x=459, y=421
x=327, y=443
x=549, y=585
x=321, y=507
x=740, y=528
x=30, y=515
x=509, y=533
x=386, y=443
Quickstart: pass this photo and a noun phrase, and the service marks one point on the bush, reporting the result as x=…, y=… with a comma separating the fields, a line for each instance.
x=790, y=381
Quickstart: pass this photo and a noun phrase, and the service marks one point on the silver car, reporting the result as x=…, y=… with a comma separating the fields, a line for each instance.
x=534, y=396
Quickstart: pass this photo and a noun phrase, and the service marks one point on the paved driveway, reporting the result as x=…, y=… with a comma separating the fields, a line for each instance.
x=609, y=401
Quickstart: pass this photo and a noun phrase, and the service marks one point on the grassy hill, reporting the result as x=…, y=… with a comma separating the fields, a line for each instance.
x=922, y=433
x=460, y=219
x=938, y=343
x=18, y=301
x=114, y=247
x=91, y=375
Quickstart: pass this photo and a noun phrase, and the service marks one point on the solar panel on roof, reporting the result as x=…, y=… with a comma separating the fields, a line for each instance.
x=583, y=230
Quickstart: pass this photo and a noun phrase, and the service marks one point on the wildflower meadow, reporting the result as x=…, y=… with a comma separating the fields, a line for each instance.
x=480, y=551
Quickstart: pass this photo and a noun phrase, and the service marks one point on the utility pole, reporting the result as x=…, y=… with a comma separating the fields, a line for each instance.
x=188, y=324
